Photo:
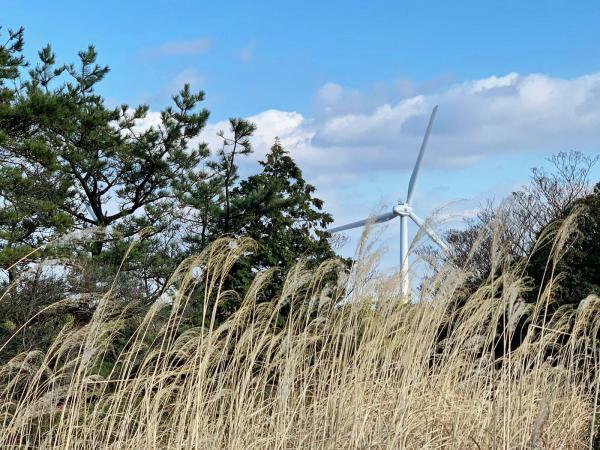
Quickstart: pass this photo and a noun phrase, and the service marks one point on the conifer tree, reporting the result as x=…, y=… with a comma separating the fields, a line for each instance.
x=86, y=164
x=29, y=193
x=225, y=166
x=205, y=195
x=278, y=209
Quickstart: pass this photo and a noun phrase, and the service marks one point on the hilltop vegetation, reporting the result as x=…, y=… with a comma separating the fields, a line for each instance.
x=153, y=298
x=71, y=165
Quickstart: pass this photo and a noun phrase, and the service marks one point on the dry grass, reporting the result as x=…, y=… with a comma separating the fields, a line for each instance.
x=367, y=374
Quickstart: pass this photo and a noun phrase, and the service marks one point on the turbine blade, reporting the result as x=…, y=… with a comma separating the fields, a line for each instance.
x=415, y=173
x=427, y=229
x=89, y=210
x=361, y=223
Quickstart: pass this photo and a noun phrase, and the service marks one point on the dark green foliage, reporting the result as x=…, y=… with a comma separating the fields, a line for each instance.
x=524, y=236
x=29, y=214
x=11, y=61
x=71, y=162
x=144, y=196
x=29, y=193
x=509, y=232
x=205, y=195
x=237, y=145
x=277, y=208
x=577, y=264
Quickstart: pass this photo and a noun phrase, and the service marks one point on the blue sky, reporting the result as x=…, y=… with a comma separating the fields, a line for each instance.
x=348, y=85
x=293, y=48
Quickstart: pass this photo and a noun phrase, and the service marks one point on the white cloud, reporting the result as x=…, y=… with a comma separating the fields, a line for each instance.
x=476, y=119
x=493, y=82
x=329, y=92
x=332, y=99
x=178, y=48
x=190, y=76
x=246, y=54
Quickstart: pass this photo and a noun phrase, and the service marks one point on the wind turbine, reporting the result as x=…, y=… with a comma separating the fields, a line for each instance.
x=404, y=210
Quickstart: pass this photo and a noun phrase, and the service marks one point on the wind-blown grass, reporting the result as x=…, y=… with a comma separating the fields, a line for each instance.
x=366, y=372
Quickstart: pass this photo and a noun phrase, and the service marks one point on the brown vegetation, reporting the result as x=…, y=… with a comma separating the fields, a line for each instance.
x=359, y=370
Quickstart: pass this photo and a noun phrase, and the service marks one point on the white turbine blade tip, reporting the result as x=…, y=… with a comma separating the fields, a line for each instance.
x=415, y=174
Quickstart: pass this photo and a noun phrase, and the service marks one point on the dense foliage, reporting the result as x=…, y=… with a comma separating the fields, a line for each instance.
x=524, y=227
x=100, y=192
x=578, y=263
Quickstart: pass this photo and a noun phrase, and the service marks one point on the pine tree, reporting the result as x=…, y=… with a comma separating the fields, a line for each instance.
x=29, y=193
x=225, y=166
x=278, y=209
x=206, y=194
x=85, y=164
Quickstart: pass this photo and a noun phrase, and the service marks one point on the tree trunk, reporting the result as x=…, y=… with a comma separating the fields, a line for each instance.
x=98, y=244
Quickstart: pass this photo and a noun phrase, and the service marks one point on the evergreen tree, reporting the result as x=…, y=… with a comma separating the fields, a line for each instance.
x=278, y=209
x=85, y=164
x=577, y=266
x=205, y=195
x=11, y=61
x=29, y=193
x=225, y=165
x=69, y=162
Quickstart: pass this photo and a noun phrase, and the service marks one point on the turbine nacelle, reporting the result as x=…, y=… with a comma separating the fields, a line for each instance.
x=403, y=209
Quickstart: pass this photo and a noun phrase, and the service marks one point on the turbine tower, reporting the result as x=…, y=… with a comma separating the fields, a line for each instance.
x=404, y=210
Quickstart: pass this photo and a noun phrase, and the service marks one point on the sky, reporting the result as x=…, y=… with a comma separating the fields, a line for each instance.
x=348, y=86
